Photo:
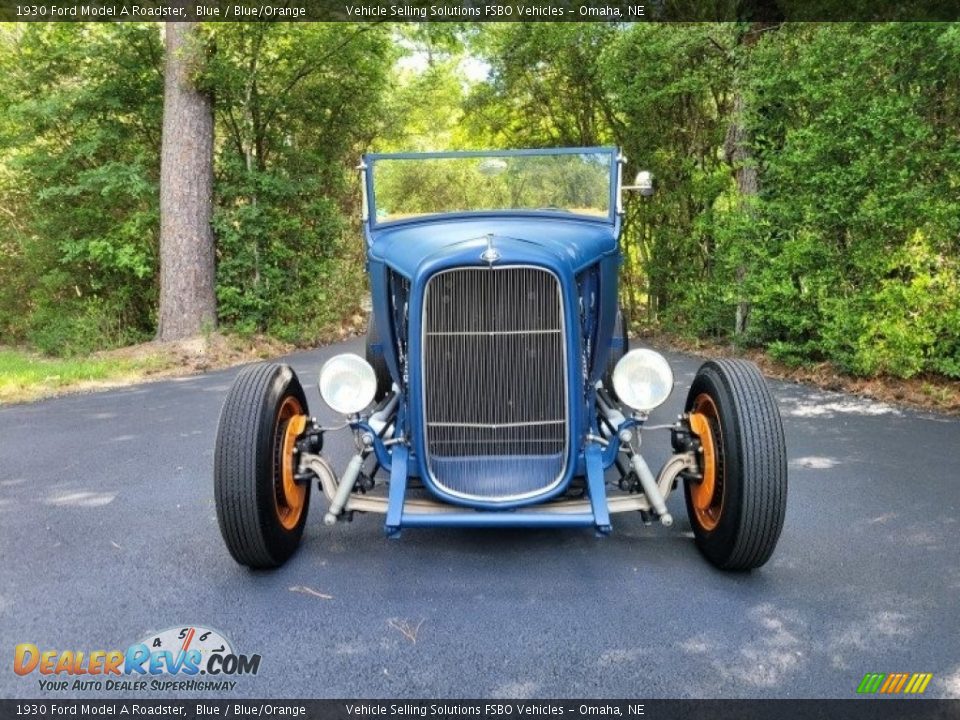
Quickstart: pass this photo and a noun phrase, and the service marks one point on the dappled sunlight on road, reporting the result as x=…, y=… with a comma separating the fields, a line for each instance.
x=878, y=626
x=828, y=405
x=783, y=643
x=951, y=683
x=767, y=660
x=101, y=416
x=81, y=498
x=814, y=462
x=516, y=690
x=765, y=657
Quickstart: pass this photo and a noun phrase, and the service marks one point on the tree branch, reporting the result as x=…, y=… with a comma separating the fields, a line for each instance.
x=310, y=67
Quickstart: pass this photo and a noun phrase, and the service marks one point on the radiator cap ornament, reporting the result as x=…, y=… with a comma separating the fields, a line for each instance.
x=491, y=254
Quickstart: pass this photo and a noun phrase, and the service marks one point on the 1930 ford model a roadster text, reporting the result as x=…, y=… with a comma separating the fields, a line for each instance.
x=498, y=377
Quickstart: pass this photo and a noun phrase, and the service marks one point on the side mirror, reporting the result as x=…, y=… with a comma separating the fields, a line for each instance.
x=643, y=183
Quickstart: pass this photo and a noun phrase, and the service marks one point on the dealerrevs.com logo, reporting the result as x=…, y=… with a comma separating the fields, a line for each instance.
x=172, y=660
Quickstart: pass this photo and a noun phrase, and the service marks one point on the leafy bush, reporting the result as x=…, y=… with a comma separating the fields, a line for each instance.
x=79, y=169
x=299, y=103
x=78, y=177
x=858, y=169
x=848, y=252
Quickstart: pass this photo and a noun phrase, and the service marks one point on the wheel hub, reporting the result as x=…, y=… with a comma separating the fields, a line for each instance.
x=290, y=495
x=707, y=495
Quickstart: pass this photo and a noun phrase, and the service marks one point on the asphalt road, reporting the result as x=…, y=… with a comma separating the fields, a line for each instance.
x=108, y=532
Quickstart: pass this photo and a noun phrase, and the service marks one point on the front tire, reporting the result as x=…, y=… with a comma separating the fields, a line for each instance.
x=260, y=508
x=737, y=508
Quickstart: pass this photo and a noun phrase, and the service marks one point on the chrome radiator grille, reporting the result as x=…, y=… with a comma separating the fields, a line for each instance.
x=495, y=382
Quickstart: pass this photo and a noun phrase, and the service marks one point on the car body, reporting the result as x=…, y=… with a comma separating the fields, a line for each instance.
x=497, y=375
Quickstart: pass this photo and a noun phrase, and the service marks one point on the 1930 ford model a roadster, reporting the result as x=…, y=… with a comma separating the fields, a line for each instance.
x=498, y=377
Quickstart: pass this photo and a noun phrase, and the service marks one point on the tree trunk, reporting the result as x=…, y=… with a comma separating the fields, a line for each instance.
x=187, y=266
x=737, y=149
x=740, y=158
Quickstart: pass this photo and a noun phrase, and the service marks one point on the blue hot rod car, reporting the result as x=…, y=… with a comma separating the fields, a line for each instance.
x=498, y=388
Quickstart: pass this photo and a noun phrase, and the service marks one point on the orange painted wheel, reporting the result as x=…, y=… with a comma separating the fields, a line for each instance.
x=289, y=495
x=707, y=495
x=736, y=498
x=261, y=509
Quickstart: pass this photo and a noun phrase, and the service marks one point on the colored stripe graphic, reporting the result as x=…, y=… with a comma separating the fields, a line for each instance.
x=897, y=684
x=894, y=683
x=870, y=683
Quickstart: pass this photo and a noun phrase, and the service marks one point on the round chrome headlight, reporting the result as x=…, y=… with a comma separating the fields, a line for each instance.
x=347, y=383
x=643, y=379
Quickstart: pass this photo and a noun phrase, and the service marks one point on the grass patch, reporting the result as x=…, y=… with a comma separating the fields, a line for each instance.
x=26, y=376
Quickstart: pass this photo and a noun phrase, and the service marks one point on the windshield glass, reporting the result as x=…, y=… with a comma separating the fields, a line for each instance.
x=408, y=186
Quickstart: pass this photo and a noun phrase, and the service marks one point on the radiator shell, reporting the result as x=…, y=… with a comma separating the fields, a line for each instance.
x=495, y=392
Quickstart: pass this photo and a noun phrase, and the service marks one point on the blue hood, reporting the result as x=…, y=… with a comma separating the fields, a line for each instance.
x=563, y=245
x=409, y=247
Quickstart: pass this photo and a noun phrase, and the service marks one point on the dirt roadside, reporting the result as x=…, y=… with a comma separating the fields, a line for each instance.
x=155, y=361
x=922, y=392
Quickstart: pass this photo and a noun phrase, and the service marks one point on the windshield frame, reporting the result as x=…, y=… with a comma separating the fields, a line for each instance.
x=369, y=205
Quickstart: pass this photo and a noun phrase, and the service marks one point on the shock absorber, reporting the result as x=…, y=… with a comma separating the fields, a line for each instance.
x=651, y=489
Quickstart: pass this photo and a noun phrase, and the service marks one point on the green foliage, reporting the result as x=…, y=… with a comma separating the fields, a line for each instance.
x=545, y=85
x=78, y=182
x=849, y=251
x=854, y=129
x=80, y=119
x=671, y=91
x=808, y=174
x=296, y=106
x=424, y=109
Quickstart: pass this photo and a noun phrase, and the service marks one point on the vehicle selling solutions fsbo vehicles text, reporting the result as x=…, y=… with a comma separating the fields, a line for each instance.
x=494, y=11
